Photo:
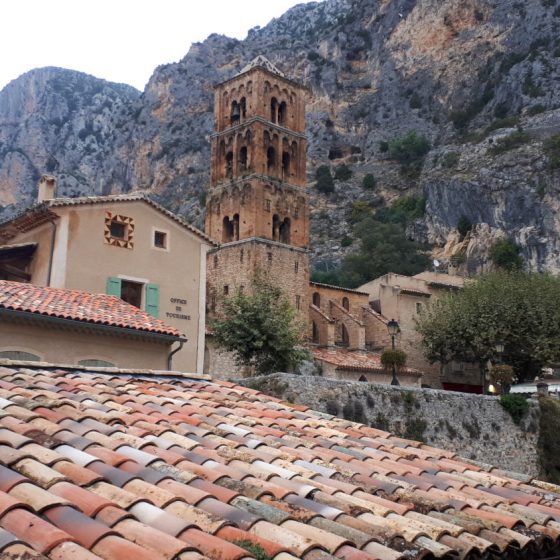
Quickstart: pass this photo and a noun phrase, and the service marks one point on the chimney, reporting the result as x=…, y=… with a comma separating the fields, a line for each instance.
x=47, y=188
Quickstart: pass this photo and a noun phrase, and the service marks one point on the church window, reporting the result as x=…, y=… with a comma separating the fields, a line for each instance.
x=282, y=113
x=296, y=267
x=345, y=341
x=229, y=164
x=271, y=160
x=273, y=109
x=235, y=113
x=227, y=229
x=226, y=290
x=285, y=164
x=243, y=107
x=241, y=255
x=243, y=159
x=314, y=333
x=316, y=299
x=284, y=231
x=298, y=302
x=346, y=303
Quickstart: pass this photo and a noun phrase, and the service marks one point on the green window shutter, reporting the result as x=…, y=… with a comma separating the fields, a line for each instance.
x=114, y=286
x=152, y=299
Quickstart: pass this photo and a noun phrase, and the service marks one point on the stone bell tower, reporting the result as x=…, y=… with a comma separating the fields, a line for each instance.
x=257, y=204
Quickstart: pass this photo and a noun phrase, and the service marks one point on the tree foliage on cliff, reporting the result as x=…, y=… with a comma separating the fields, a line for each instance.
x=383, y=246
x=261, y=329
x=520, y=309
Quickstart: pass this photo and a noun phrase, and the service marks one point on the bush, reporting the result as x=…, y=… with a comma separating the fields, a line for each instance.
x=383, y=146
x=369, y=182
x=464, y=225
x=409, y=148
x=510, y=142
x=255, y=549
x=516, y=405
x=549, y=442
x=342, y=173
x=325, y=183
x=346, y=241
x=505, y=254
x=536, y=110
x=390, y=358
x=450, y=159
x=552, y=150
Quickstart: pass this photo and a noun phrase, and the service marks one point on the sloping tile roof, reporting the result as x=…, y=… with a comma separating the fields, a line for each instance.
x=39, y=212
x=352, y=359
x=99, y=309
x=263, y=62
x=122, y=467
x=333, y=287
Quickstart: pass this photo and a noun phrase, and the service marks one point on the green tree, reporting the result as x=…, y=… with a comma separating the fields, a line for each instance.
x=383, y=248
x=369, y=182
x=325, y=183
x=520, y=309
x=342, y=173
x=261, y=328
x=409, y=148
x=505, y=255
x=464, y=225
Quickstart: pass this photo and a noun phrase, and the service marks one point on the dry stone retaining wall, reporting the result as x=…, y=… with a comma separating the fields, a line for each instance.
x=474, y=426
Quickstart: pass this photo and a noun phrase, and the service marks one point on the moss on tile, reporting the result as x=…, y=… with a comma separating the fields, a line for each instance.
x=255, y=549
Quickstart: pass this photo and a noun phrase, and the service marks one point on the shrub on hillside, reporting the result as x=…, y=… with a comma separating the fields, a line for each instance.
x=325, y=183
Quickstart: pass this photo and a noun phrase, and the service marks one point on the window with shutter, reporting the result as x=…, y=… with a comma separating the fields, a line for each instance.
x=114, y=286
x=152, y=299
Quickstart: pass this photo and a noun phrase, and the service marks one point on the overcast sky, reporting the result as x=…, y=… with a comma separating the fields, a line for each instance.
x=118, y=40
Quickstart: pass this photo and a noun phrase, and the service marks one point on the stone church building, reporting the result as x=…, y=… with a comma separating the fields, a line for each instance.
x=258, y=210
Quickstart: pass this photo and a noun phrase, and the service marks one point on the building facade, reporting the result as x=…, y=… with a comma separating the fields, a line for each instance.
x=403, y=298
x=73, y=327
x=122, y=245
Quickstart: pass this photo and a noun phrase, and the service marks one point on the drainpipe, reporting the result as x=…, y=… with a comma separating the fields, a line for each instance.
x=53, y=239
x=173, y=352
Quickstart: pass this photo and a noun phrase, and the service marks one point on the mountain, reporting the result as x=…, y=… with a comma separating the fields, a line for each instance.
x=478, y=78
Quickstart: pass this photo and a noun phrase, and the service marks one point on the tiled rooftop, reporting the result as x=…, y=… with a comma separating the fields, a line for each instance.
x=121, y=467
x=81, y=306
x=352, y=359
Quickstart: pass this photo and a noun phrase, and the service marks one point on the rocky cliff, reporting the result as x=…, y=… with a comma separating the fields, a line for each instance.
x=478, y=78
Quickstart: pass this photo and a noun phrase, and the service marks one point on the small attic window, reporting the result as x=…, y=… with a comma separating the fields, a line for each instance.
x=160, y=239
x=118, y=230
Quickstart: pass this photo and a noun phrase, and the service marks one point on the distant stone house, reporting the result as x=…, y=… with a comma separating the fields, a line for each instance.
x=394, y=296
x=73, y=327
x=123, y=245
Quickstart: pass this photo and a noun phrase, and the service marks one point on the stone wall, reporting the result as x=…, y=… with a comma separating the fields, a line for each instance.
x=476, y=427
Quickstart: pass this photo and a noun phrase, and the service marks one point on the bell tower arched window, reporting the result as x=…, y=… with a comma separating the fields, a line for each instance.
x=282, y=113
x=235, y=113
x=243, y=159
x=243, y=108
x=273, y=109
x=229, y=165
x=271, y=160
x=284, y=231
x=285, y=164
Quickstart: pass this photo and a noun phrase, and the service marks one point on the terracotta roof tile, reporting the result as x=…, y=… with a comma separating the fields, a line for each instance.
x=191, y=468
x=354, y=360
x=99, y=309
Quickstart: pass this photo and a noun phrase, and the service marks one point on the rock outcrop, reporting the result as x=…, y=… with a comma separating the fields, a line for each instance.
x=464, y=73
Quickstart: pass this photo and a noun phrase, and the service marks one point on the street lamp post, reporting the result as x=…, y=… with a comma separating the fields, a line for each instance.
x=393, y=328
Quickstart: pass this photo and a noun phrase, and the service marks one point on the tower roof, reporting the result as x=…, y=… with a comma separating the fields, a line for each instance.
x=264, y=63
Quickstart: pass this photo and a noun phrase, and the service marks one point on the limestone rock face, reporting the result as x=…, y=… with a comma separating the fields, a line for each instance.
x=376, y=70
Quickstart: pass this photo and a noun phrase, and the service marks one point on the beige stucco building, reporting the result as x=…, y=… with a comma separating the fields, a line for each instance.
x=74, y=327
x=403, y=298
x=123, y=245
